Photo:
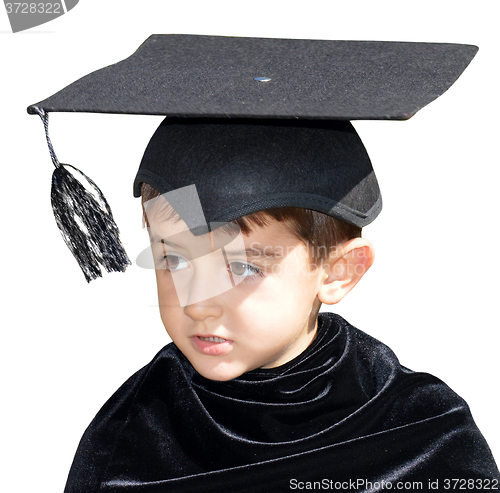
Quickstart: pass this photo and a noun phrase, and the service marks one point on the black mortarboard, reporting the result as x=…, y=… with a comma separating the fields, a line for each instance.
x=254, y=123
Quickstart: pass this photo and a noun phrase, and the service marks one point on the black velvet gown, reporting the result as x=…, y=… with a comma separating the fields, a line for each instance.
x=342, y=415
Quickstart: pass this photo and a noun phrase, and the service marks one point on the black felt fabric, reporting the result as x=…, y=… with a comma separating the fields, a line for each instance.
x=344, y=410
x=214, y=76
x=240, y=166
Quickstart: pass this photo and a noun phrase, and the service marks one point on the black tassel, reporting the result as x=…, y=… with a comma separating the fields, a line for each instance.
x=86, y=225
x=85, y=221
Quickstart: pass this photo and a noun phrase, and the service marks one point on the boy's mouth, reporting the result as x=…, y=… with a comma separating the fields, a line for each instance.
x=211, y=345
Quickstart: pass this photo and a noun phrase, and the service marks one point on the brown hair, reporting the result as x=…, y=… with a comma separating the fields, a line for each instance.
x=318, y=231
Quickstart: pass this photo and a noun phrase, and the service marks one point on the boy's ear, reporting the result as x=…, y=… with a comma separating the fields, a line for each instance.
x=346, y=265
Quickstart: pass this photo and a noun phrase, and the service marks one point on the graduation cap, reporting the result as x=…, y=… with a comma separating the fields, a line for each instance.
x=254, y=123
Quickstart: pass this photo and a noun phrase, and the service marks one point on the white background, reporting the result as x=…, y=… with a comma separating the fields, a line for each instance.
x=432, y=294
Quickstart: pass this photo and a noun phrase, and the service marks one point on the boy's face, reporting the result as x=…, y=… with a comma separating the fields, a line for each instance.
x=266, y=320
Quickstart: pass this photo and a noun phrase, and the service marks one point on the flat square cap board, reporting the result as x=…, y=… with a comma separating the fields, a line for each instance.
x=216, y=76
x=253, y=123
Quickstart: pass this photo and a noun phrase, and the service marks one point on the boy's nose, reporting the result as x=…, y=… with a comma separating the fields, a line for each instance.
x=203, y=309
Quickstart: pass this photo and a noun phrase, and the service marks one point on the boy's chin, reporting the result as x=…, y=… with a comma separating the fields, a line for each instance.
x=219, y=371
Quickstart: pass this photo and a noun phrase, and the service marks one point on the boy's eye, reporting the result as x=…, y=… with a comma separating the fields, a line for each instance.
x=175, y=263
x=242, y=269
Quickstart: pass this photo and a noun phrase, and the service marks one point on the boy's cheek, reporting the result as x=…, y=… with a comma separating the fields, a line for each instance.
x=167, y=295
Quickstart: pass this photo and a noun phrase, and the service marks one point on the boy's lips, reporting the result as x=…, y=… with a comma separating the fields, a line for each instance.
x=211, y=345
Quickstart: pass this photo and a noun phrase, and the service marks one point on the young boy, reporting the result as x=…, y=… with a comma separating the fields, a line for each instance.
x=254, y=223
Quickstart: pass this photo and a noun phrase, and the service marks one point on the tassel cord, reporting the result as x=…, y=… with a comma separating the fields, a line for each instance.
x=45, y=119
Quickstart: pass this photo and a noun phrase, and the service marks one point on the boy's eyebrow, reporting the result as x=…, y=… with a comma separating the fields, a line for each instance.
x=267, y=251
x=157, y=239
x=164, y=241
